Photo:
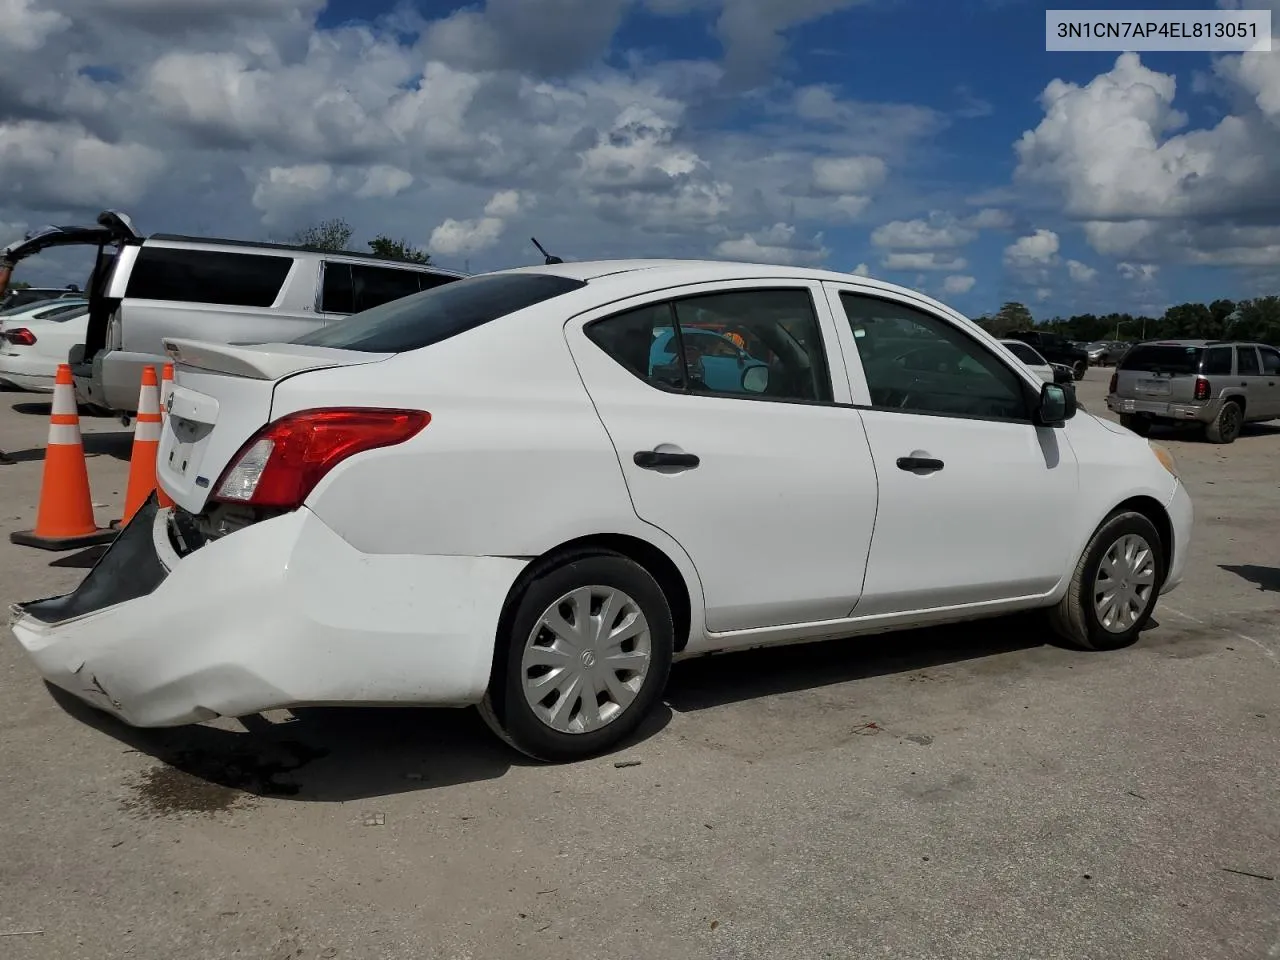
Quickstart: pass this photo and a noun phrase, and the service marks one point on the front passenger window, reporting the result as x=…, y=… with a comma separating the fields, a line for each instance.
x=915, y=362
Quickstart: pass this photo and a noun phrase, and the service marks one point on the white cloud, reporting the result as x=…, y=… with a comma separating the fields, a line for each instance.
x=842, y=176
x=383, y=181
x=777, y=244
x=62, y=164
x=861, y=270
x=990, y=218
x=1043, y=294
x=455, y=238
x=25, y=28
x=1034, y=250
x=937, y=233
x=958, y=284
x=924, y=261
x=1138, y=272
x=1081, y=272
x=505, y=203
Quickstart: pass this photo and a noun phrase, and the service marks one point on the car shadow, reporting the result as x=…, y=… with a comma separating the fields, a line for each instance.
x=339, y=754
x=1267, y=579
x=321, y=754
x=117, y=444
x=720, y=679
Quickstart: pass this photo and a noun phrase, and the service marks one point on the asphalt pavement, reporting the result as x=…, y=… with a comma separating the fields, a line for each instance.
x=971, y=792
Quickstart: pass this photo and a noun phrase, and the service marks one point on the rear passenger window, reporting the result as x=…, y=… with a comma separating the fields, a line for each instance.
x=208, y=276
x=746, y=343
x=1247, y=358
x=1217, y=362
x=374, y=286
x=336, y=294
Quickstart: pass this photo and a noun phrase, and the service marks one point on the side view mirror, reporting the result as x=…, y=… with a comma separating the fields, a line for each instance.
x=755, y=380
x=1057, y=405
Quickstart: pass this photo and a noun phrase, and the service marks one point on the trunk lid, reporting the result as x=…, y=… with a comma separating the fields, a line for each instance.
x=1161, y=372
x=221, y=396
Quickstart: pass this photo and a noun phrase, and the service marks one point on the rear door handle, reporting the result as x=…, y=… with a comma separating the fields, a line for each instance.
x=653, y=459
x=919, y=463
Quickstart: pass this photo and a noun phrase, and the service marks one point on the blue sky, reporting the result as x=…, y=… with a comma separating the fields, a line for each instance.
x=931, y=143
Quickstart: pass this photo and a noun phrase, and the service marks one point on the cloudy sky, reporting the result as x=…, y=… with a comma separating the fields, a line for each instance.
x=929, y=142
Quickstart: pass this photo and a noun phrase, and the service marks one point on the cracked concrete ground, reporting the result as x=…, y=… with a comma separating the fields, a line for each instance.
x=963, y=793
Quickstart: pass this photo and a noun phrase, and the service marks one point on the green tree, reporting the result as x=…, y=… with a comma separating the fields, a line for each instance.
x=1010, y=317
x=383, y=246
x=327, y=236
x=1257, y=320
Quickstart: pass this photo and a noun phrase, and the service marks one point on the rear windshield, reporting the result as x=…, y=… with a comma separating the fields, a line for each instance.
x=434, y=315
x=1162, y=358
x=1025, y=353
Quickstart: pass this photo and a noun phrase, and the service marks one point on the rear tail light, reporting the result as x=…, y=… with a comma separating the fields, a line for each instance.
x=282, y=463
x=1115, y=377
x=20, y=336
x=1203, y=389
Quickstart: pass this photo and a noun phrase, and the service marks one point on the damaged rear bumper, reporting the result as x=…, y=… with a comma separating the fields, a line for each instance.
x=281, y=613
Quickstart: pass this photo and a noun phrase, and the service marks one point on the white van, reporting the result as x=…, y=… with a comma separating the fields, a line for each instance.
x=227, y=291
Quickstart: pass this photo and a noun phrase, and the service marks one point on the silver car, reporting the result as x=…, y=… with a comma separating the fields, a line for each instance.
x=1219, y=385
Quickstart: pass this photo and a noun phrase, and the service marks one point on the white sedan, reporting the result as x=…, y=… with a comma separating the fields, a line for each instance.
x=1030, y=356
x=35, y=339
x=531, y=490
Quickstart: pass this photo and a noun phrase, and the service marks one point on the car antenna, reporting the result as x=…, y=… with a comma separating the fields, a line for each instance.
x=549, y=258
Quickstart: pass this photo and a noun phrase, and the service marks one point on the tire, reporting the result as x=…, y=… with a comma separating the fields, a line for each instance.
x=1076, y=618
x=580, y=732
x=1079, y=369
x=1226, y=426
x=1139, y=425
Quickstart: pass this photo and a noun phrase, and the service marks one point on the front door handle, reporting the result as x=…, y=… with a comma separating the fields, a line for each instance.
x=919, y=463
x=654, y=459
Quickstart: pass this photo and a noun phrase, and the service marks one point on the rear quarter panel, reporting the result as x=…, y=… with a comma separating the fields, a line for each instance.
x=514, y=462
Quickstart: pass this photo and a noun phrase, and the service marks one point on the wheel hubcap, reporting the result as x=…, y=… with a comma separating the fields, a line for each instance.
x=586, y=659
x=1126, y=577
x=1230, y=419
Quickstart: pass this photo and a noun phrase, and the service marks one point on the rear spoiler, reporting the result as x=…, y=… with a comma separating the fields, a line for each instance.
x=259, y=361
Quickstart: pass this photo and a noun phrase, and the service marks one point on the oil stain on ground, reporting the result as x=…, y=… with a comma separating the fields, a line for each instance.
x=198, y=781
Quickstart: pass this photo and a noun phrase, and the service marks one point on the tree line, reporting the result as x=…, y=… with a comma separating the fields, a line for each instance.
x=333, y=236
x=1257, y=319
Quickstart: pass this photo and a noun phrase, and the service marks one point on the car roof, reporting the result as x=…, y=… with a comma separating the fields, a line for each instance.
x=633, y=277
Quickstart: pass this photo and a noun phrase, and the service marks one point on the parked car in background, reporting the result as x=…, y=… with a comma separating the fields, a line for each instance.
x=28, y=296
x=33, y=344
x=1219, y=385
x=1035, y=363
x=489, y=493
x=225, y=291
x=1107, y=353
x=1056, y=348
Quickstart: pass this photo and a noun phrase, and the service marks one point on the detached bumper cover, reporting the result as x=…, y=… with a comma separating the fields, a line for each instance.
x=282, y=613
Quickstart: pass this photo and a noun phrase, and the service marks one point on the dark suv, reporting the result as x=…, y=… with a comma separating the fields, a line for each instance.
x=1056, y=348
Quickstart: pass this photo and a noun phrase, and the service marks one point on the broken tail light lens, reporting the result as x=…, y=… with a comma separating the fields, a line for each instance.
x=1203, y=389
x=281, y=464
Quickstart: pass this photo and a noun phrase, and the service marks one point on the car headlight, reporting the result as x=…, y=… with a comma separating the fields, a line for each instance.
x=1165, y=457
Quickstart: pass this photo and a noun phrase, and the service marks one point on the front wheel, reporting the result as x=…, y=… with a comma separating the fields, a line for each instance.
x=1079, y=369
x=1115, y=585
x=583, y=660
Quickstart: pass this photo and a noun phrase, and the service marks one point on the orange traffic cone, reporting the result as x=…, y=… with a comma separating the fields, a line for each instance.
x=64, y=520
x=166, y=387
x=146, y=446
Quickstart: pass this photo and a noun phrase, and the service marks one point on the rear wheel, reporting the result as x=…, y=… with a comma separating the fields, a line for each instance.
x=1225, y=427
x=1139, y=425
x=1115, y=585
x=583, y=659
x=1079, y=369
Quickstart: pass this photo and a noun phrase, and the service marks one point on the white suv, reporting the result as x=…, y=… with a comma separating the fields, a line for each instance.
x=226, y=291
